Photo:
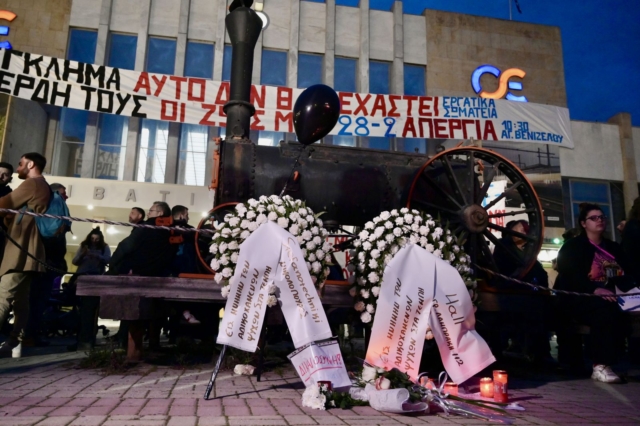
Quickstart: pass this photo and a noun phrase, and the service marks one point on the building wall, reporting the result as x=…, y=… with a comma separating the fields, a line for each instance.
x=457, y=44
x=597, y=153
x=26, y=130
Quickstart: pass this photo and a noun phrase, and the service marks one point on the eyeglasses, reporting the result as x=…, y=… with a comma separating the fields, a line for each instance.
x=597, y=218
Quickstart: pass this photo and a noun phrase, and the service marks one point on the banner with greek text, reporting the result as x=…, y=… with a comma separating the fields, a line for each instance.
x=247, y=300
x=199, y=101
x=402, y=313
x=453, y=323
x=320, y=362
x=418, y=289
x=299, y=300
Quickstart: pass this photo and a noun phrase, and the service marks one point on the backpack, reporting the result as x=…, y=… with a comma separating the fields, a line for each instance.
x=52, y=227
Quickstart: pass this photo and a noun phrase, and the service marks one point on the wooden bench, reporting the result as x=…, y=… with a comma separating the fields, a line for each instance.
x=136, y=299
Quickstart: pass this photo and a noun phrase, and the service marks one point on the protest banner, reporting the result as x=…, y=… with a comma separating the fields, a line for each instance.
x=194, y=100
x=420, y=290
x=320, y=362
x=271, y=255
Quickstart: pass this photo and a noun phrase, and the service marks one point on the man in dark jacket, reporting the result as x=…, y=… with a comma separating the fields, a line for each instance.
x=146, y=252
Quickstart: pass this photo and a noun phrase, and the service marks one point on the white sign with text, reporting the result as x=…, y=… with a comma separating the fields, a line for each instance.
x=320, y=362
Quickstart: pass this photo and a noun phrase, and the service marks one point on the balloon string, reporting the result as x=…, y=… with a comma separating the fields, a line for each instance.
x=293, y=169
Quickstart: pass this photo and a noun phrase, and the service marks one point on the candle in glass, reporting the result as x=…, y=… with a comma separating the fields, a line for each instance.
x=500, y=379
x=451, y=388
x=486, y=387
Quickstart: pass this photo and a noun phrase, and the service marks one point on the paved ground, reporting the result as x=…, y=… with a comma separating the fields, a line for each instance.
x=50, y=390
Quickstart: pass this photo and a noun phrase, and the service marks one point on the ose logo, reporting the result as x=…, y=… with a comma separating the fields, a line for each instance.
x=5, y=15
x=503, y=84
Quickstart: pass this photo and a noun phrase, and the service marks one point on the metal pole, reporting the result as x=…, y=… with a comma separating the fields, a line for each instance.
x=207, y=392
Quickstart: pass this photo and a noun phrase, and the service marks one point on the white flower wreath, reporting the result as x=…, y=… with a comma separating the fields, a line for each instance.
x=290, y=214
x=381, y=239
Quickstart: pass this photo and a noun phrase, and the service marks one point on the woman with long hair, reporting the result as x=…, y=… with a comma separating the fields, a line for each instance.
x=93, y=254
x=586, y=264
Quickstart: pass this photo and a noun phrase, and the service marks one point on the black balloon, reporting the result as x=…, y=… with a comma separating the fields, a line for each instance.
x=315, y=113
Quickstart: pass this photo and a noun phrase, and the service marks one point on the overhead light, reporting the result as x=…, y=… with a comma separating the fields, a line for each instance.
x=90, y=207
x=74, y=237
x=258, y=6
x=265, y=19
x=112, y=231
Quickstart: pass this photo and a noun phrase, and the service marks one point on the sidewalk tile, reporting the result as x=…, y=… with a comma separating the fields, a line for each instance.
x=20, y=421
x=256, y=421
x=37, y=411
x=183, y=421
x=212, y=421
x=57, y=421
x=300, y=420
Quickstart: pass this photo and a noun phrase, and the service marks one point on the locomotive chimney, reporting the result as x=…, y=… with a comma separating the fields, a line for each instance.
x=244, y=26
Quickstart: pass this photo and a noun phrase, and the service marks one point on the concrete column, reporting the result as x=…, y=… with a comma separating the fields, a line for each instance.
x=629, y=172
x=131, y=154
x=91, y=136
x=292, y=57
x=257, y=61
x=103, y=33
x=53, y=115
x=143, y=34
x=220, y=33
x=330, y=44
x=181, y=44
x=363, y=63
x=173, y=146
x=397, y=70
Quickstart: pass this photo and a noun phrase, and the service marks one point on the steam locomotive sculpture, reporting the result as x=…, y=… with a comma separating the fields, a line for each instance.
x=353, y=185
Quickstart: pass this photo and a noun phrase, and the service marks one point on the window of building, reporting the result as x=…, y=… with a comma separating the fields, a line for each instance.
x=226, y=63
x=414, y=80
x=199, y=60
x=194, y=138
x=113, y=129
x=73, y=123
x=379, y=73
x=309, y=70
x=345, y=75
x=595, y=193
x=273, y=72
x=161, y=55
x=154, y=135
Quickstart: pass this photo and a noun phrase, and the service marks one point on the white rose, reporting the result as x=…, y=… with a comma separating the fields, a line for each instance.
x=394, y=249
x=385, y=215
x=225, y=232
x=283, y=222
x=369, y=374
x=320, y=254
x=364, y=293
x=388, y=225
x=224, y=260
x=408, y=218
x=397, y=232
x=223, y=247
x=424, y=230
x=234, y=221
x=430, y=248
x=311, y=257
x=310, y=218
x=371, y=309
x=300, y=239
x=394, y=212
x=361, y=256
x=272, y=216
x=261, y=218
x=213, y=248
x=365, y=317
x=376, y=219
x=373, y=264
x=315, y=231
x=215, y=264
x=251, y=215
x=244, y=224
x=384, y=384
x=227, y=272
x=281, y=210
x=234, y=257
x=316, y=267
x=415, y=227
x=381, y=244
x=254, y=225
x=399, y=221
x=245, y=234
x=311, y=245
x=375, y=291
x=437, y=253
x=359, y=306
x=233, y=245
x=373, y=278
x=316, y=239
x=363, y=235
x=303, y=212
x=366, y=246
x=225, y=291
x=263, y=199
x=375, y=253
x=306, y=235
x=294, y=216
x=369, y=225
x=437, y=233
x=252, y=202
x=389, y=238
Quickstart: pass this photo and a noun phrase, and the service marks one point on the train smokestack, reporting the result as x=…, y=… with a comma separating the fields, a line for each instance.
x=244, y=26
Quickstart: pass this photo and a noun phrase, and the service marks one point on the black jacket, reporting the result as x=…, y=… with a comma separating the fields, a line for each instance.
x=574, y=263
x=507, y=266
x=631, y=247
x=146, y=252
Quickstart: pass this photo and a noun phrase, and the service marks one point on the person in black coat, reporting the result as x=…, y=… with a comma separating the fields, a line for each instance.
x=585, y=264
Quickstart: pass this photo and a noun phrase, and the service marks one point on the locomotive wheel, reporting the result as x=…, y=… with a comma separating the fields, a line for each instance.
x=452, y=186
x=203, y=241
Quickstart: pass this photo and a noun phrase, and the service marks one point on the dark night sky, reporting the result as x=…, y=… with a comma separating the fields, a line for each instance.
x=600, y=42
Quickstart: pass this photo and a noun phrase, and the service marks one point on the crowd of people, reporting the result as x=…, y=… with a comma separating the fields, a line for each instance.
x=34, y=256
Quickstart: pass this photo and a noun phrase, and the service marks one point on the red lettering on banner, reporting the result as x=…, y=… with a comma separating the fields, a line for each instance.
x=497, y=220
x=435, y=106
x=284, y=99
x=409, y=99
x=223, y=93
x=424, y=107
x=211, y=109
x=478, y=132
x=489, y=131
x=409, y=127
x=453, y=126
x=288, y=119
x=464, y=128
x=258, y=99
x=256, y=120
x=393, y=111
x=440, y=125
x=159, y=84
x=428, y=121
x=379, y=105
x=362, y=104
x=174, y=110
x=344, y=103
x=203, y=89
x=179, y=81
x=182, y=111
x=143, y=83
